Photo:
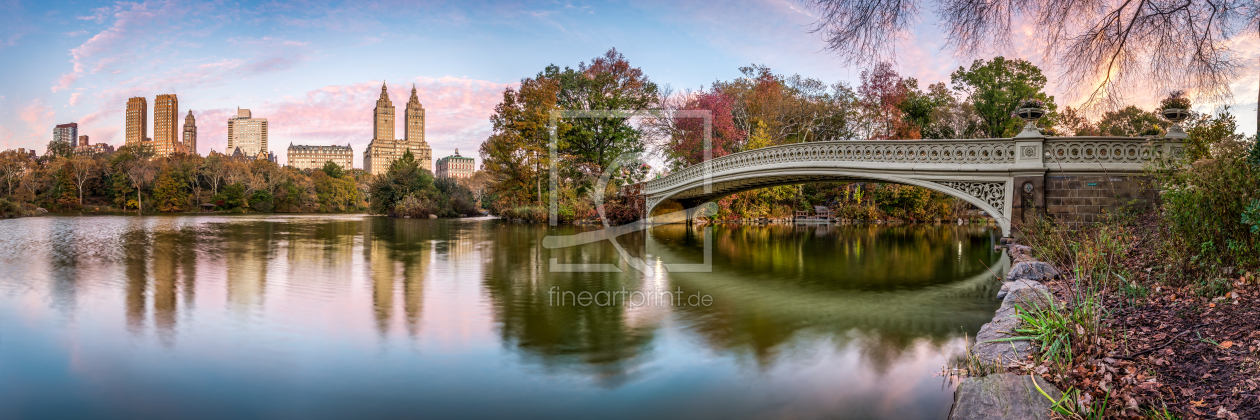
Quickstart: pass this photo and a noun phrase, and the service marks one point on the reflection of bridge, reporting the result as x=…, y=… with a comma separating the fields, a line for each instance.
x=936, y=310
x=1070, y=178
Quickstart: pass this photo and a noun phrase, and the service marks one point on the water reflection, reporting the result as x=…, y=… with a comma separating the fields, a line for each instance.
x=805, y=321
x=604, y=341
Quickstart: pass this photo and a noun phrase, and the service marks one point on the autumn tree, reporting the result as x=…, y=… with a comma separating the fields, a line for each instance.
x=608, y=83
x=882, y=92
x=687, y=143
x=516, y=154
x=170, y=192
x=82, y=169
x=140, y=173
x=12, y=165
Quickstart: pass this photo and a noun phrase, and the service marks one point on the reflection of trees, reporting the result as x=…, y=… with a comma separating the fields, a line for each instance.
x=64, y=261
x=399, y=248
x=854, y=257
x=774, y=284
x=603, y=341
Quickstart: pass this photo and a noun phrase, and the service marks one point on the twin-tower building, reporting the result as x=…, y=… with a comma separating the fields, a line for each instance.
x=385, y=148
x=167, y=138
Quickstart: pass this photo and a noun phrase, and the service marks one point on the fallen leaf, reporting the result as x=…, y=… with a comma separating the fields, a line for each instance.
x=1198, y=403
x=1227, y=344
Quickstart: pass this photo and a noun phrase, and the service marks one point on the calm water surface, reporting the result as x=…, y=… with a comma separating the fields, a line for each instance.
x=354, y=316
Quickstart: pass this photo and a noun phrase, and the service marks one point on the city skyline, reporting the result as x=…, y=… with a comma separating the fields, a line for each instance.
x=314, y=70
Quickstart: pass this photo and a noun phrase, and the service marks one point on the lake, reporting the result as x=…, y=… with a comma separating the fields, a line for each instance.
x=342, y=316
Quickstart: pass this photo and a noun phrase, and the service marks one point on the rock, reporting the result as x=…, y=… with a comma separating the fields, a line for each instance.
x=1005, y=396
x=1024, y=294
x=41, y=210
x=432, y=216
x=1032, y=270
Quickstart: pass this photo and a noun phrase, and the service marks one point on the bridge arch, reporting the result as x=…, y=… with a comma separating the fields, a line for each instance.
x=986, y=194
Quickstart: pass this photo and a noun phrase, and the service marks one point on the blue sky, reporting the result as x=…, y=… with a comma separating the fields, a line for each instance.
x=314, y=69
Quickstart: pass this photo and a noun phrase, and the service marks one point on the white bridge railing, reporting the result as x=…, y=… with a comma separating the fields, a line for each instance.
x=1054, y=151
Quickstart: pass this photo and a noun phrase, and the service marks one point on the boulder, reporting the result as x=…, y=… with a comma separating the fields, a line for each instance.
x=1003, y=396
x=41, y=210
x=1032, y=270
x=1023, y=294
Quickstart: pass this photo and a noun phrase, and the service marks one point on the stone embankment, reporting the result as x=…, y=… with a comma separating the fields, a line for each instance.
x=1007, y=395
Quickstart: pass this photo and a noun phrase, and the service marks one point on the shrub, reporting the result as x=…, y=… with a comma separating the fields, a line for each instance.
x=1208, y=202
x=261, y=201
x=11, y=209
x=414, y=207
x=230, y=197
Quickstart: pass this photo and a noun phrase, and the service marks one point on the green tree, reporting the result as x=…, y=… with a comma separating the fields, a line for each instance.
x=609, y=82
x=332, y=169
x=996, y=87
x=405, y=178
x=1131, y=121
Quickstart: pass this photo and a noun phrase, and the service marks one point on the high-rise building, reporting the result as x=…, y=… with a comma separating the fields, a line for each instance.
x=67, y=133
x=166, y=125
x=456, y=166
x=384, y=149
x=246, y=133
x=415, y=132
x=314, y=157
x=83, y=140
x=190, y=134
x=137, y=121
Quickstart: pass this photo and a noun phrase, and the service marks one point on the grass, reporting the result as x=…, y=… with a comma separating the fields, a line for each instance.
x=1069, y=407
x=1212, y=288
x=969, y=365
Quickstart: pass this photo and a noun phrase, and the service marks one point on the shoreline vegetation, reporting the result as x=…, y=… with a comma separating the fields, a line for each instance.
x=1157, y=311
x=131, y=180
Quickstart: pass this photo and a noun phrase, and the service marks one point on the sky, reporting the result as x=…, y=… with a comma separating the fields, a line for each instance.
x=314, y=69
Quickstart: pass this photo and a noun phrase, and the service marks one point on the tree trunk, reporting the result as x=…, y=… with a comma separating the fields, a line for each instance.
x=139, y=202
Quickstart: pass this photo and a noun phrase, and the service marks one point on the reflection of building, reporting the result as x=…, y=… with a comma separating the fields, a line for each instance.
x=384, y=148
x=455, y=166
x=66, y=133
x=396, y=253
x=246, y=133
x=190, y=134
x=166, y=125
x=314, y=157
x=137, y=121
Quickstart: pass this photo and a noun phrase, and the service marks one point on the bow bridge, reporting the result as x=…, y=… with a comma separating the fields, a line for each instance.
x=1073, y=179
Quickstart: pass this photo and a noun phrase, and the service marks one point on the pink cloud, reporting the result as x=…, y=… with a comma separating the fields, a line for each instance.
x=38, y=118
x=74, y=98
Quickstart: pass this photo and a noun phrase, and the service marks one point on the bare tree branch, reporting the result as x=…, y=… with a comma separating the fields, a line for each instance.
x=1104, y=49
